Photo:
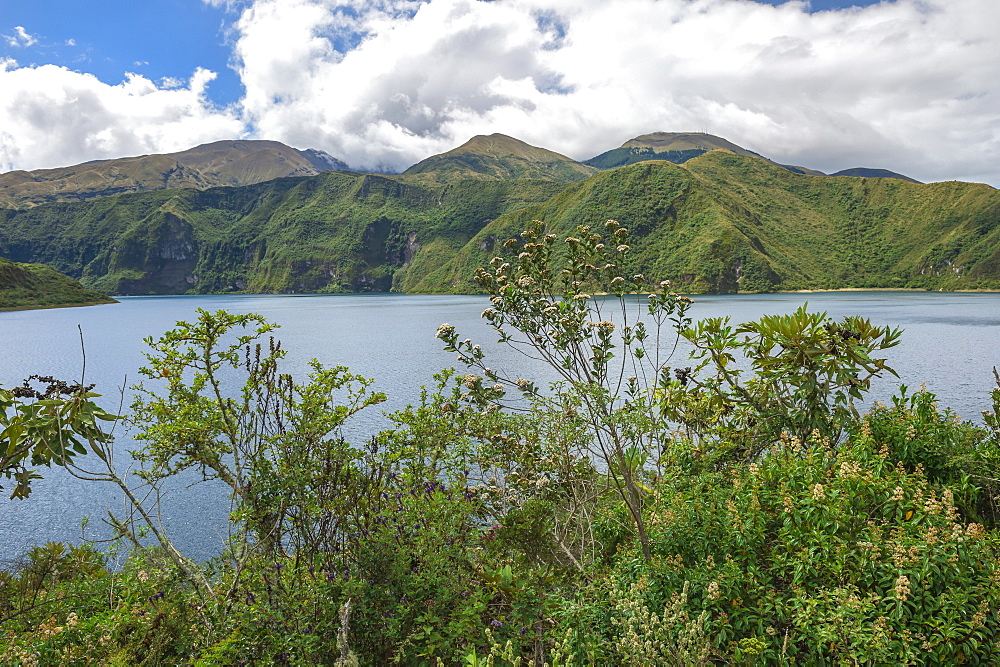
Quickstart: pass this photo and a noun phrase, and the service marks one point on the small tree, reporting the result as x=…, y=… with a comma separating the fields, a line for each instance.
x=547, y=305
x=277, y=444
x=228, y=413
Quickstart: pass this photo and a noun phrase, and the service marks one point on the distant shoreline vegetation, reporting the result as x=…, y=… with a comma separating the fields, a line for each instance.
x=58, y=305
x=31, y=286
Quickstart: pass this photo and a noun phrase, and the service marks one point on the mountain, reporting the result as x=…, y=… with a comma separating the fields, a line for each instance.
x=723, y=222
x=221, y=163
x=719, y=222
x=337, y=231
x=499, y=157
x=39, y=286
x=676, y=147
x=866, y=172
x=679, y=147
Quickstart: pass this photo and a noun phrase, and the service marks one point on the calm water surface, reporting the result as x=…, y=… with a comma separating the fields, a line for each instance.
x=950, y=343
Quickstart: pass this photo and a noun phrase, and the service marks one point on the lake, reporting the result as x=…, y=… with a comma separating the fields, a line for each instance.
x=950, y=343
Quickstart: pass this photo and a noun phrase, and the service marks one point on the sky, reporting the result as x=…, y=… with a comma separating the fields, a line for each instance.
x=907, y=85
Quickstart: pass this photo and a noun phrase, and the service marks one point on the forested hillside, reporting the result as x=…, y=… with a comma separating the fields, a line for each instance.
x=720, y=222
x=723, y=222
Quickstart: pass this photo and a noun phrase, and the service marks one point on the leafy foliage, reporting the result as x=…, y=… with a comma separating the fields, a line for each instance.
x=50, y=428
x=803, y=373
x=739, y=510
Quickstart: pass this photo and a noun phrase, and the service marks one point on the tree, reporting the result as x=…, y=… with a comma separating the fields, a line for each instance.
x=547, y=304
x=46, y=427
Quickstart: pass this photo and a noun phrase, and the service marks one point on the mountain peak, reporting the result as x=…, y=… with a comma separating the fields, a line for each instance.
x=500, y=157
x=676, y=147
x=501, y=145
x=230, y=162
x=868, y=172
x=684, y=141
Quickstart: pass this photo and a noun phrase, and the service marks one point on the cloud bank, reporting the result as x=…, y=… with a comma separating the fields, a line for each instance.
x=908, y=85
x=51, y=116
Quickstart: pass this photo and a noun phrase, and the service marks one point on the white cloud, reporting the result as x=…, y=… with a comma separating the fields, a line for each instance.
x=71, y=42
x=908, y=85
x=51, y=116
x=20, y=38
x=911, y=85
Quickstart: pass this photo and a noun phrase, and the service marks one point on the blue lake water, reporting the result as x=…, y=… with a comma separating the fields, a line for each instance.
x=950, y=343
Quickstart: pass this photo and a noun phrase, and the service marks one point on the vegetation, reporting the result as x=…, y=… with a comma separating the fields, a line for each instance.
x=676, y=147
x=498, y=156
x=38, y=286
x=240, y=162
x=727, y=505
x=721, y=222
x=334, y=232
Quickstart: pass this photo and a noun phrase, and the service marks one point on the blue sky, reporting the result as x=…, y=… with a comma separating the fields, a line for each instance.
x=107, y=38
x=909, y=85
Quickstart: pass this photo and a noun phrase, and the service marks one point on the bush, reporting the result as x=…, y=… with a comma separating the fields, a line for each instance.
x=737, y=510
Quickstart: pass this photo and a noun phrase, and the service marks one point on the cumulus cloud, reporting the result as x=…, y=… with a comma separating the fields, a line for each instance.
x=910, y=85
x=51, y=116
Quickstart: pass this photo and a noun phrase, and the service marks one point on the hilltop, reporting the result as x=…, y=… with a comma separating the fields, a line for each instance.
x=679, y=147
x=676, y=147
x=221, y=163
x=499, y=157
x=867, y=172
x=39, y=286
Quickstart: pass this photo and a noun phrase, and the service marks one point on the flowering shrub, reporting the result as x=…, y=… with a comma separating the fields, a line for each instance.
x=825, y=552
x=726, y=512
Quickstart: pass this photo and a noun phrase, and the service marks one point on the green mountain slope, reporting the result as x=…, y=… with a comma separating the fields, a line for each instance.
x=337, y=231
x=498, y=157
x=719, y=222
x=679, y=147
x=219, y=163
x=724, y=222
x=39, y=286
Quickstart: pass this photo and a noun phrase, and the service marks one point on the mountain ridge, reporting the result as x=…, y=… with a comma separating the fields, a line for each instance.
x=246, y=162
x=720, y=222
x=679, y=147
x=498, y=156
x=220, y=163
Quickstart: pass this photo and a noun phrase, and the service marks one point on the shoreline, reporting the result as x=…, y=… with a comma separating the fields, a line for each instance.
x=59, y=305
x=878, y=289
